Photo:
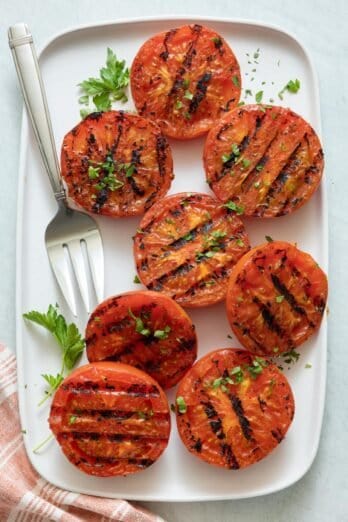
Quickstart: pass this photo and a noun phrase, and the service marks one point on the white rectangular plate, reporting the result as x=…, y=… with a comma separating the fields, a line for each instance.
x=178, y=476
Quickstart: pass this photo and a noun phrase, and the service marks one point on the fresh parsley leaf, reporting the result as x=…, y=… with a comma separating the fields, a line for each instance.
x=162, y=334
x=258, y=96
x=292, y=86
x=72, y=419
x=279, y=298
x=188, y=95
x=231, y=205
x=136, y=280
x=269, y=239
x=139, y=325
x=179, y=104
x=246, y=163
x=110, y=86
x=181, y=404
x=291, y=356
x=235, y=81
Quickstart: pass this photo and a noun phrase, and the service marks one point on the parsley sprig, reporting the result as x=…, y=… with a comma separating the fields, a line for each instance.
x=110, y=86
x=68, y=338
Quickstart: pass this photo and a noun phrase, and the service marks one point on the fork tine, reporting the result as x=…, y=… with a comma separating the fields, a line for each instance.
x=61, y=271
x=96, y=261
x=78, y=263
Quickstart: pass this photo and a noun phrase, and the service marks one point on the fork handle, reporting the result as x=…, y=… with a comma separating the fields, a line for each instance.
x=24, y=56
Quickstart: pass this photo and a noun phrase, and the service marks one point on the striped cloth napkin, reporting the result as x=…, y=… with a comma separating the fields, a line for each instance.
x=24, y=495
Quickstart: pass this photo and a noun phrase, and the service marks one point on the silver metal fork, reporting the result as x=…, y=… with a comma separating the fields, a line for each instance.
x=69, y=229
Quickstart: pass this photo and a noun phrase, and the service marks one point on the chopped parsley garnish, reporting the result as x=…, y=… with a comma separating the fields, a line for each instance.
x=109, y=87
x=235, y=81
x=186, y=83
x=279, y=298
x=214, y=241
x=104, y=172
x=72, y=419
x=240, y=242
x=308, y=365
x=257, y=366
x=291, y=356
x=142, y=329
x=145, y=415
x=181, y=404
x=269, y=239
x=162, y=334
x=179, y=104
x=136, y=280
x=259, y=167
x=217, y=41
x=258, y=96
x=231, y=205
x=188, y=95
x=245, y=163
x=248, y=92
x=68, y=338
x=292, y=86
x=187, y=115
x=188, y=236
x=139, y=325
x=202, y=255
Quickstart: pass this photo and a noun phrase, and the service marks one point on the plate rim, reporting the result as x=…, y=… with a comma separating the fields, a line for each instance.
x=19, y=242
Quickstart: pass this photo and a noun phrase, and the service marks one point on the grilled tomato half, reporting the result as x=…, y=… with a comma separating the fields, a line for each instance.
x=185, y=79
x=145, y=329
x=186, y=247
x=276, y=298
x=110, y=419
x=268, y=160
x=233, y=408
x=116, y=164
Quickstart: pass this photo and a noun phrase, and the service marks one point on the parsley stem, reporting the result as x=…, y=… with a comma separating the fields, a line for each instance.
x=39, y=446
x=44, y=399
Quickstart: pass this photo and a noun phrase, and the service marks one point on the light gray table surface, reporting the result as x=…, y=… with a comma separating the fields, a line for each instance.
x=322, y=494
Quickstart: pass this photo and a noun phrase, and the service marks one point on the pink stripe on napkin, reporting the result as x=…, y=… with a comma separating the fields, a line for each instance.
x=24, y=495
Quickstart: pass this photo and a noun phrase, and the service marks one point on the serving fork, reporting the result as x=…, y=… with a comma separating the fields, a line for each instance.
x=71, y=237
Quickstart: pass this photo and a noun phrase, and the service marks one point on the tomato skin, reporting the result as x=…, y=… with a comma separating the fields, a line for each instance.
x=129, y=140
x=275, y=157
x=233, y=425
x=110, y=419
x=276, y=298
x=185, y=79
x=111, y=334
x=186, y=247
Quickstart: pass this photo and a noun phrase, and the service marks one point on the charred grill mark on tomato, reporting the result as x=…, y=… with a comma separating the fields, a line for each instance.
x=201, y=89
x=190, y=53
x=268, y=317
x=282, y=289
x=165, y=54
x=282, y=166
x=242, y=419
x=161, y=150
x=229, y=456
x=277, y=434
